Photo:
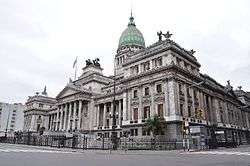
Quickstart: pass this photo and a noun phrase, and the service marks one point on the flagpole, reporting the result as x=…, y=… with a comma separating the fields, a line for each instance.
x=75, y=70
x=75, y=66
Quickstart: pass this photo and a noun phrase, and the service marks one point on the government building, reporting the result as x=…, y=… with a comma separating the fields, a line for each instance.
x=161, y=79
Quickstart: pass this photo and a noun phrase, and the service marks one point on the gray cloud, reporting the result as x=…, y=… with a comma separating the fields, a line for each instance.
x=40, y=39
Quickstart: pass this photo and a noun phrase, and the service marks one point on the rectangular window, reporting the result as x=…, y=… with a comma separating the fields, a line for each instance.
x=160, y=110
x=107, y=122
x=135, y=94
x=146, y=66
x=181, y=109
x=145, y=132
x=157, y=62
x=136, y=132
x=135, y=69
x=159, y=88
x=135, y=117
x=146, y=112
x=146, y=91
x=132, y=132
x=189, y=111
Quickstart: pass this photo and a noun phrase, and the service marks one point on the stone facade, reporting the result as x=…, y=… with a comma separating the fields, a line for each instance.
x=162, y=79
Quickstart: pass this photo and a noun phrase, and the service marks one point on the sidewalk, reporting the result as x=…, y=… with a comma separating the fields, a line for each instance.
x=119, y=152
x=97, y=151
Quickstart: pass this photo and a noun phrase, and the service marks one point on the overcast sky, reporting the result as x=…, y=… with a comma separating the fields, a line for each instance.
x=39, y=39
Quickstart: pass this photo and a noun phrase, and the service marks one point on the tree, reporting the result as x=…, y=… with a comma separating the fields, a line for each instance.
x=155, y=125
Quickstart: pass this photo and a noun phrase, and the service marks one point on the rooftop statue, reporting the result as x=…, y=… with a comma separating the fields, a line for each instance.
x=192, y=52
x=160, y=35
x=167, y=35
x=88, y=62
x=93, y=62
x=96, y=62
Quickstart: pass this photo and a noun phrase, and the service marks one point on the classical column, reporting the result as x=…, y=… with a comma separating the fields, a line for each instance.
x=119, y=112
x=111, y=113
x=52, y=122
x=129, y=106
x=61, y=118
x=57, y=118
x=104, y=115
x=65, y=117
x=79, y=114
x=97, y=115
x=74, y=115
x=69, y=116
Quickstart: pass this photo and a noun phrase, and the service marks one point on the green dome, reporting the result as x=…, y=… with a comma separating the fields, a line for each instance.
x=131, y=36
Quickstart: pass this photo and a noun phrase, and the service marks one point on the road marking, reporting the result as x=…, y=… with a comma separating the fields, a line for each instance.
x=33, y=151
x=222, y=153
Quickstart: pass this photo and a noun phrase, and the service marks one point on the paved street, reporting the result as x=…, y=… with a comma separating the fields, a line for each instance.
x=23, y=155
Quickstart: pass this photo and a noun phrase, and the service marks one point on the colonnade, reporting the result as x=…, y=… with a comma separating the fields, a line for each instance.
x=68, y=116
x=104, y=114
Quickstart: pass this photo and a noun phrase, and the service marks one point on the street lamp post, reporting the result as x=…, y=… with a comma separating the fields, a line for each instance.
x=113, y=133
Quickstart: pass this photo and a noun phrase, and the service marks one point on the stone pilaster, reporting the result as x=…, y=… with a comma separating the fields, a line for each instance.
x=140, y=109
x=191, y=90
x=172, y=97
x=166, y=94
x=185, y=106
x=125, y=105
x=152, y=103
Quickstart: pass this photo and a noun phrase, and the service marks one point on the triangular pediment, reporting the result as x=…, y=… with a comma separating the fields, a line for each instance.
x=67, y=91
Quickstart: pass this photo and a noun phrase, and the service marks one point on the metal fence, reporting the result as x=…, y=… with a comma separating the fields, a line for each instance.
x=80, y=141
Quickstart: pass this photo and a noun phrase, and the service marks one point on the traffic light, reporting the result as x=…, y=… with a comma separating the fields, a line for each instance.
x=202, y=114
x=183, y=128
